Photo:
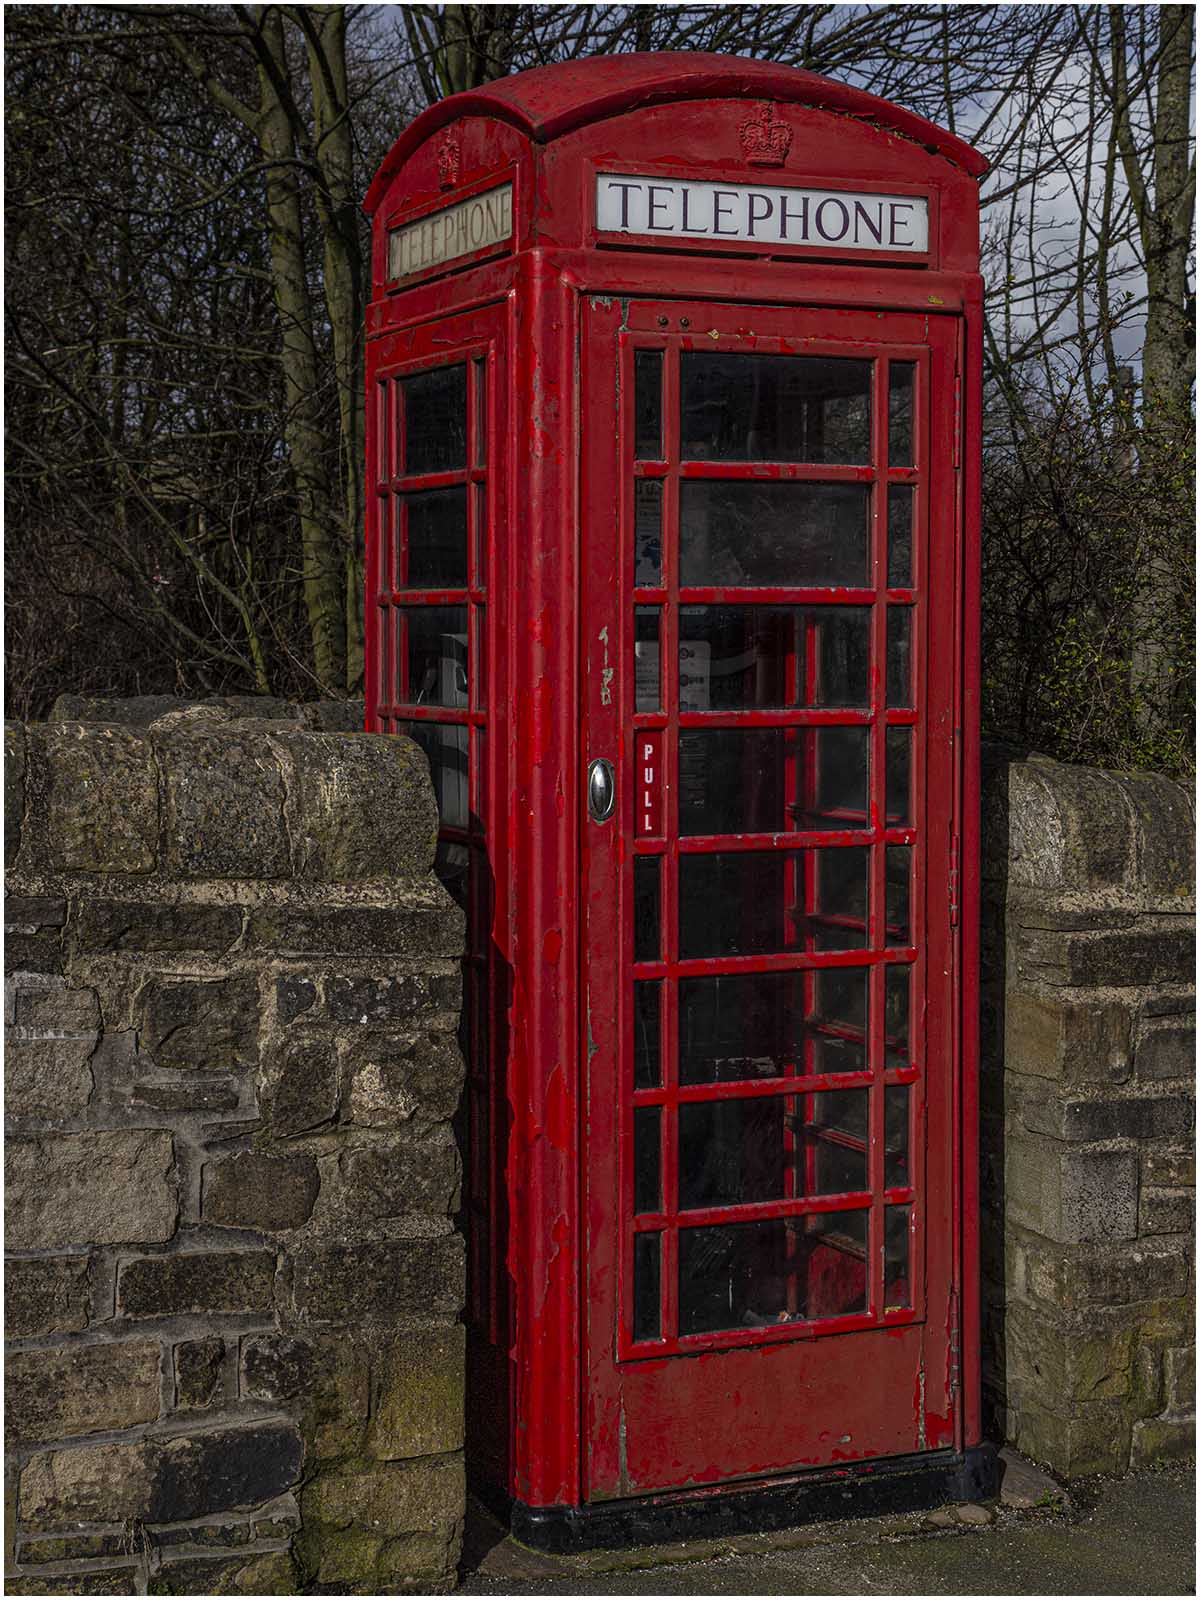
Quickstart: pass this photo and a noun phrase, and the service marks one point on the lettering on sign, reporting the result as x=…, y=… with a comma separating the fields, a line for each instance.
x=761, y=214
x=649, y=786
x=457, y=230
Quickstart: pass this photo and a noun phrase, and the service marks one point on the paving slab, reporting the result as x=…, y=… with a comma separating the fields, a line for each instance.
x=1127, y=1536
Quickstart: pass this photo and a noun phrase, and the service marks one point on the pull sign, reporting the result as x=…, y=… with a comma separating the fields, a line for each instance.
x=648, y=821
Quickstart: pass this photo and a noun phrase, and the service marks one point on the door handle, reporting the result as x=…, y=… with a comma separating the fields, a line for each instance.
x=601, y=789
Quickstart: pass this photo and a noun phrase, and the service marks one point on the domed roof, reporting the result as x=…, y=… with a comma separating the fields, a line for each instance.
x=547, y=102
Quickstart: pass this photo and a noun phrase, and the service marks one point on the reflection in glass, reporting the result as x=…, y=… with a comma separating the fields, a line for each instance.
x=760, y=780
x=646, y=1054
x=834, y=1146
x=897, y=1288
x=901, y=375
x=647, y=943
x=740, y=533
x=647, y=1274
x=647, y=694
x=898, y=859
x=647, y=405
x=899, y=534
x=437, y=539
x=754, y=902
x=897, y=987
x=774, y=408
x=731, y=1152
x=741, y=1026
x=898, y=761
x=840, y=761
x=839, y=1019
x=647, y=531
x=647, y=1159
x=759, y=1274
x=744, y=658
x=435, y=655
x=899, y=657
x=895, y=1147
x=435, y=420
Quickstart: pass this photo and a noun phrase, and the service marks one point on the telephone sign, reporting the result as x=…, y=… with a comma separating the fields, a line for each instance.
x=673, y=384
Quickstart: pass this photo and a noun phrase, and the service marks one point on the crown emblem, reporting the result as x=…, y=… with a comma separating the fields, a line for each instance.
x=765, y=142
x=449, y=160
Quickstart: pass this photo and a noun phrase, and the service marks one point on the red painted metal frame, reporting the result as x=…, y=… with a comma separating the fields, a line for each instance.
x=542, y=130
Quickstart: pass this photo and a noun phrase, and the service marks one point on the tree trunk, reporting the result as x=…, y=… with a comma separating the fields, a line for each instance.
x=1169, y=359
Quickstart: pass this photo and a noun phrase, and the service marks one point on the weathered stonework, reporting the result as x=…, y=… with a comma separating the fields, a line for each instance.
x=1088, y=1106
x=233, y=987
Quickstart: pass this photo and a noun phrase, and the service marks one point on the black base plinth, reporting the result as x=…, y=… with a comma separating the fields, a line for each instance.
x=866, y=1489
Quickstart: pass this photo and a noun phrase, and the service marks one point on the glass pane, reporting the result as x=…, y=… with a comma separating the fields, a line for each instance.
x=897, y=1289
x=899, y=777
x=647, y=1159
x=838, y=920
x=446, y=750
x=899, y=533
x=899, y=657
x=647, y=532
x=899, y=870
x=479, y=649
x=796, y=534
x=901, y=375
x=839, y=1020
x=647, y=693
x=840, y=761
x=731, y=1152
x=754, y=903
x=757, y=1274
x=647, y=405
x=437, y=539
x=481, y=535
x=647, y=944
x=744, y=658
x=647, y=1275
x=832, y=1145
x=480, y=374
x=435, y=420
x=761, y=780
x=895, y=1146
x=774, y=408
x=646, y=1006
x=897, y=984
x=435, y=655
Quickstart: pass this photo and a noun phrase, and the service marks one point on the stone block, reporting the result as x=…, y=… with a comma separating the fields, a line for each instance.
x=1167, y=1211
x=306, y=1091
x=429, y=924
x=1074, y=1040
x=224, y=1282
x=1111, y=1116
x=110, y=1187
x=419, y=1408
x=1076, y=1277
x=33, y=952
x=1068, y=828
x=326, y=1379
x=1071, y=1196
x=194, y=1094
x=294, y=995
x=202, y=1024
x=134, y=711
x=345, y=1284
x=1097, y=1440
x=1169, y=1169
x=1179, y=1372
x=79, y=1389
x=198, y=1364
x=49, y=1294
x=101, y=802
x=161, y=1480
x=270, y=1573
x=47, y=1080
x=223, y=802
x=1059, y=1363
x=392, y=1082
x=33, y=911
x=56, y=1012
x=122, y=925
x=388, y=1499
x=1166, y=1048
x=1157, y=1440
x=364, y=1000
x=411, y=1175
x=1156, y=951
x=366, y=805
x=251, y=1190
x=276, y=1366
x=1165, y=832
x=14, y=790
x=112, y=1580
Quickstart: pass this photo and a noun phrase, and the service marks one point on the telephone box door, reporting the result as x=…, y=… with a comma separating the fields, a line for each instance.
x=770, y=532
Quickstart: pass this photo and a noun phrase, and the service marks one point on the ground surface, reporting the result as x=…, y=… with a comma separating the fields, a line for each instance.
x=1130, y=1536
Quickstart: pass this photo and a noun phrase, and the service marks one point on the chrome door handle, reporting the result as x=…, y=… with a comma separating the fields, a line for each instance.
x=601, y=789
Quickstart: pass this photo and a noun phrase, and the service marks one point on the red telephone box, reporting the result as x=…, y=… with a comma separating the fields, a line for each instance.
x=673, y=376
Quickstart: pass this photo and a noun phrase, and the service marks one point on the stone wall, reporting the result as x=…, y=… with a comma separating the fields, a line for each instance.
x=1088, y=1102
x=234, y=1359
